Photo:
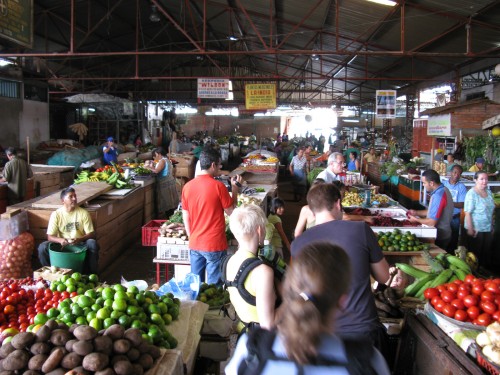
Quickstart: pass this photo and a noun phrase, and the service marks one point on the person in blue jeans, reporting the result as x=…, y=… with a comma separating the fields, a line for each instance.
x=458, y=192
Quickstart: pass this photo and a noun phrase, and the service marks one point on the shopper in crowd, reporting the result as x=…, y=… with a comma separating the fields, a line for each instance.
x=16, y=172
x=306, y=217
x=334, y=168
x=358, y=318
x=458, y=191
x=440, y=210
x=479, y=206
x=138, y=141
x=439, y=155
x=248, y=225
x=478, y=165
x=174, y=147
x=450, y=162
x=110, y=151
x=71, y=225
x=274, y=231
x=204, y=201
x=167, y=198
x=370, y=156
x=353, y=164
x=321, y=143
x=298, y=169
x=306, y=340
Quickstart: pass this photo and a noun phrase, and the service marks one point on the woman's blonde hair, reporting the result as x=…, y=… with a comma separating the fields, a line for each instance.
x=246, y=220
x=313, y=286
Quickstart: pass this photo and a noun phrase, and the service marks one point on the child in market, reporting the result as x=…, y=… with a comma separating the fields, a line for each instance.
x=274, y=229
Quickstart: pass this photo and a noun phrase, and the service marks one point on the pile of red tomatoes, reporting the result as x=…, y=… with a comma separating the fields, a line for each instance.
x=21, y=300
x=473, y=300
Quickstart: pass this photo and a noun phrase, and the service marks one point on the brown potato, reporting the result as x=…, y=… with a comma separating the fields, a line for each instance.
x=32, y=372
x=138, y=370
x=146, y=361
x=103, y=344
x=121, y=346
x=6, y=349
x=36, y=362
x=54, y=360
x=106, y=371
x=154, y=351
x=69, y=345
x=57, y=371
x=43, y=334
x=23, y=340
x=83, y=347
x=84, y=333
x=123, y=368
x=118, y=357
x=16, y=360
x=59, y=337
x=133, y=354
x=95, y=361
x=71, y=360
x=134, y=335
x=116, y=332
x=52, y=324
x=40, y=348
x=80, y=371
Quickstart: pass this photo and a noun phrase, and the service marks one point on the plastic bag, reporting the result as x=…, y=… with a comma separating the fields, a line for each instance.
x=186, y=289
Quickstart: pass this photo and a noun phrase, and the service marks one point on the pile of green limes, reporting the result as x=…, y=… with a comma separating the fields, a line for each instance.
x=397, y=240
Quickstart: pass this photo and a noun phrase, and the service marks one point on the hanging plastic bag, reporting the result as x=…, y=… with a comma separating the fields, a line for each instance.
x=186, y=289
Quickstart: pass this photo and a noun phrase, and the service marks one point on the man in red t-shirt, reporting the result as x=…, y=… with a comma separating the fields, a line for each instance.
x=204, y=201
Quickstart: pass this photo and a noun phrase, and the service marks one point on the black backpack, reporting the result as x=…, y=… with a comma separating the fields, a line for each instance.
x=260, y=343
x=242, y=274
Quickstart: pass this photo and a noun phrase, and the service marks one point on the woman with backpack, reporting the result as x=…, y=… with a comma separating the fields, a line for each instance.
x=314, y=289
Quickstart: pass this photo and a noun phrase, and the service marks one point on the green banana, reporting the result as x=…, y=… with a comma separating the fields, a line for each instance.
x=442, y=278
x=412, y=289
x=412, y=271
x=459, y=263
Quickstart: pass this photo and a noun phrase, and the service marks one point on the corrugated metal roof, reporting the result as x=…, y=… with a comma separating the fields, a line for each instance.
x=362, y=46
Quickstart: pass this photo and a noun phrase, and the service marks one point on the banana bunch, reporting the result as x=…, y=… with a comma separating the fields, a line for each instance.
x=83, y=176
x=445, y=268
x=80, y=129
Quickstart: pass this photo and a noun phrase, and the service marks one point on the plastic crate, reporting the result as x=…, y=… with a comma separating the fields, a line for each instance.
x=486, y=364
x=176, y=253
x=150, y=232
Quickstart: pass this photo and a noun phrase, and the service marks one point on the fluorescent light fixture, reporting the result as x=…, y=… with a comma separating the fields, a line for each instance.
x=384, y=2
x=5, y=62
x=350, y=120
x=233, y=38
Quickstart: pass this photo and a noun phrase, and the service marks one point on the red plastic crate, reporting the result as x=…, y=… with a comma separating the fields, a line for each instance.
x=486, y=364
x=150, y=232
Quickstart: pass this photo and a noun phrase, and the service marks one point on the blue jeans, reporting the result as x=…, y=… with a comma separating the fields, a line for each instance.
x=455, y=231
x=209, y=260
x=91, y=258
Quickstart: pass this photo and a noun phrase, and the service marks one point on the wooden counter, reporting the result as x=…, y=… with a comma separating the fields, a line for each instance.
x=415, y=258
x=117, y=223
x=51, y=178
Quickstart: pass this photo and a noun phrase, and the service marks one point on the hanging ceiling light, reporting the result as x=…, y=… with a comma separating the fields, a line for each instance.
x=154, y=16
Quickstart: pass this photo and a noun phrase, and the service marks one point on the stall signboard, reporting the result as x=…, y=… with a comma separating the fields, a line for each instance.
x=260, y=96
x=386, y=104
x=213, y=88
x=16, y=21
x=439, y=126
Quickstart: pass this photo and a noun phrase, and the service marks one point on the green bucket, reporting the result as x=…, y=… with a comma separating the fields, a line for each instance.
x=70, y=256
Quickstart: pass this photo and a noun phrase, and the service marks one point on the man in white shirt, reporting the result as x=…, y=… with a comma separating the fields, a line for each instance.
x=333, y=169
x=458, y=192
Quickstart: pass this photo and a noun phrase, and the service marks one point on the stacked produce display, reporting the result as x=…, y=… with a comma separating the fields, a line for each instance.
x=398, y=240
x=77, y=322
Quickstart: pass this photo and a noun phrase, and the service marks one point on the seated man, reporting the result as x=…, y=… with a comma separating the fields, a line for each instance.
x=71, y=224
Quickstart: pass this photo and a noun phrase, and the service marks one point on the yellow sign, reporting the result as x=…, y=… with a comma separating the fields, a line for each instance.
x=16, y=21
x=260, y=96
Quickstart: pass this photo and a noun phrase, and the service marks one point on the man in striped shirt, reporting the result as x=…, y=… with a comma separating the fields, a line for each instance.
x=440, y=210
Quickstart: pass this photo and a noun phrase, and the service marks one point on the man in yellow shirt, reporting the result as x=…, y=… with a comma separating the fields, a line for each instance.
x=478, y=165
x=71, y=224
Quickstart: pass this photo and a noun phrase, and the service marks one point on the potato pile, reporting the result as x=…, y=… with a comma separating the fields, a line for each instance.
x=56, y=349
